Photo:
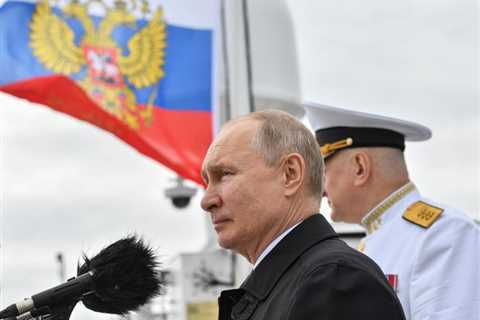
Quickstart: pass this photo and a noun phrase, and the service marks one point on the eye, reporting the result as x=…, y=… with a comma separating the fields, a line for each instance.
x=226, y=173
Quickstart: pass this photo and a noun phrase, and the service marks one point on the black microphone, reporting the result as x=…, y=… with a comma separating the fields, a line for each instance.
x=68, y=291
x=120, y=278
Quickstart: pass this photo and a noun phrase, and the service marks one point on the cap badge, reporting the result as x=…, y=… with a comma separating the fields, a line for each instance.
x=329, y=148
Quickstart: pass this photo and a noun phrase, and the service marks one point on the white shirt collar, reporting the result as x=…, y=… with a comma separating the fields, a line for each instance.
x=272, y=245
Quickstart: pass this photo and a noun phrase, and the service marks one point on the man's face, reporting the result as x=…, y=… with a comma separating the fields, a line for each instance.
x=338, y=186
x=242, y=194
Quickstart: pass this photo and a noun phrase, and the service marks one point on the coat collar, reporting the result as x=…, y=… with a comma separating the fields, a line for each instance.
x=311, y=231
x=381, y=213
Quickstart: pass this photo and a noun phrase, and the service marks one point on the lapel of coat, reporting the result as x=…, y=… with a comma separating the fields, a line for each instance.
x=227, y=300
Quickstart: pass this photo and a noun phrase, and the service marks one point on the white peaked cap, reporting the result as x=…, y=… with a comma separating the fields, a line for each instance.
x=322, y=117
x=360, y=129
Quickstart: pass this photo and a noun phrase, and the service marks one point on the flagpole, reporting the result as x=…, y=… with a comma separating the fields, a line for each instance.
x=248, y=56
x=237, y=59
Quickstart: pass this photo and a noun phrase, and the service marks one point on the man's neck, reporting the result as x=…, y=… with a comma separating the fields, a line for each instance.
x=296, y=213
x=376, y=195
x=272, y=245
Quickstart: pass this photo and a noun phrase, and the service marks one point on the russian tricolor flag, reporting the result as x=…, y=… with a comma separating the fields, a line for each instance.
x=141, y=70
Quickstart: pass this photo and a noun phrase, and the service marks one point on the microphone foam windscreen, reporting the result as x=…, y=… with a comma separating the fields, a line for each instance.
x=126, y=276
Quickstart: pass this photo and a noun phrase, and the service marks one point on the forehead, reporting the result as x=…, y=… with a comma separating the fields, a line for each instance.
x=232, y=140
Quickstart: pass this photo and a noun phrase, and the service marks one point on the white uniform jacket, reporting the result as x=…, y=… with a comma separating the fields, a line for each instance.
x=434, y=269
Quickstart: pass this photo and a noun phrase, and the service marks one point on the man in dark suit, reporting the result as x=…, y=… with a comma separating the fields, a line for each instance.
x=264, y=179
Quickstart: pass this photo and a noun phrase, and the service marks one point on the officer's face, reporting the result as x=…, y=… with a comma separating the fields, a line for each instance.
x=338, y=186
x=243, y=195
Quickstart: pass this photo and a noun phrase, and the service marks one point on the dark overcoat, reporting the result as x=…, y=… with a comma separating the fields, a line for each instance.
x=312, y=274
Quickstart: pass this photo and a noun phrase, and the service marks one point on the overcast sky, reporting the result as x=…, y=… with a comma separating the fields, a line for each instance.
x=68, y=186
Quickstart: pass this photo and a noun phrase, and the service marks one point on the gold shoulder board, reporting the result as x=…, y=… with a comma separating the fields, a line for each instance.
x=422, y=214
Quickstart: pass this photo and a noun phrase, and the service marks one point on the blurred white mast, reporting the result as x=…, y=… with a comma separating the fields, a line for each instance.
x=260, y=58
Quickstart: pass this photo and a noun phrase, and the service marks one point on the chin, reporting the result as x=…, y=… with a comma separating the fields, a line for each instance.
x=232, y=244
x=225, y=242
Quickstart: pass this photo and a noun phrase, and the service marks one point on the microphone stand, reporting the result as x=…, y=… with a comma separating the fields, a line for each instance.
x=56, y=312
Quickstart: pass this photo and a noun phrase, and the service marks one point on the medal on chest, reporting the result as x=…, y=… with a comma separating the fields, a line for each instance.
x=393, y=281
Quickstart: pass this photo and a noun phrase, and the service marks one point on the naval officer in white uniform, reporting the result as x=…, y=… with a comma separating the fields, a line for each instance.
x=429, y=252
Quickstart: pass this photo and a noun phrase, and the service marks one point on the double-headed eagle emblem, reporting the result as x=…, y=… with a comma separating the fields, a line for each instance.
x=107, y=66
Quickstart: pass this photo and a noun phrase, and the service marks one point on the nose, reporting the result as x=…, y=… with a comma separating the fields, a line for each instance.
x=324, y=195
x=210, y=201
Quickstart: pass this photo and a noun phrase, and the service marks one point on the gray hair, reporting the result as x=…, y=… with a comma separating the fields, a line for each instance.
x=280, y=134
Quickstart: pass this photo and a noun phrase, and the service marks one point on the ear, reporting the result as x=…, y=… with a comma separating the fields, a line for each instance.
x=362, y=168
x=293, y=172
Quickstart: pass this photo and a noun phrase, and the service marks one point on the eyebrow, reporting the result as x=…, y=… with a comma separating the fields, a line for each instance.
x=216, y=167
